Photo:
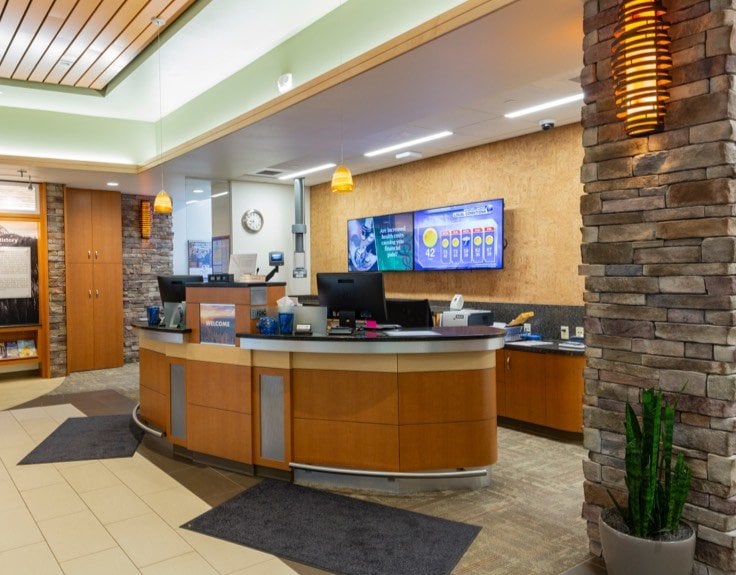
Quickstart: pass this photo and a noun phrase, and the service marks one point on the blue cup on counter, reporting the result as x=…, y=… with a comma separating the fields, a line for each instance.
x=267, y=325
x=286, y=323
x=152, y=313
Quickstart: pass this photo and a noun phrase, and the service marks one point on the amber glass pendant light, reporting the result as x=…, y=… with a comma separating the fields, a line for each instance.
x=641, y=66
x=162, y=204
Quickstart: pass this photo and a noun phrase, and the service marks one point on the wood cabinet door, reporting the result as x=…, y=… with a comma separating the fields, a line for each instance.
x=525, y=386
x=107, y=227
x=79, y=314
x=78, y=226
x=565, y=392
x=108, y=316
x=501, y=383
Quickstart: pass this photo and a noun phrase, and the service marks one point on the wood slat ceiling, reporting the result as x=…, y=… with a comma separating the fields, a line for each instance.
x=80, y=43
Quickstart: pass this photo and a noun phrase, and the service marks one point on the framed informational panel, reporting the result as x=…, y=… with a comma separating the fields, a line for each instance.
x=19, y=279
x=19, y=199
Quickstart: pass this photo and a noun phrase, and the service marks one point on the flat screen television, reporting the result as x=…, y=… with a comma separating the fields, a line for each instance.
x=460, y=237
x=381, y=243
x=358, y=292
x=173, y=288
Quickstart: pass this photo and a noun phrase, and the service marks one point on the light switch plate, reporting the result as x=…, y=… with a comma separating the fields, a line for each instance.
x=564, y=332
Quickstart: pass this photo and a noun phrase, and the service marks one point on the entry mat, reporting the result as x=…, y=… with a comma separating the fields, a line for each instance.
x=95, y=437
x=337, y=533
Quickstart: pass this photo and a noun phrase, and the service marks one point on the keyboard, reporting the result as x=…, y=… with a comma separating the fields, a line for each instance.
x=341, y=331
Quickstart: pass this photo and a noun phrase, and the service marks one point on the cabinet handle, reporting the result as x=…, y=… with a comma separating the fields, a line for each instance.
x=508, y=362
x=89, y=293
x=89, y=254
x=95, y=254
x=97, y=293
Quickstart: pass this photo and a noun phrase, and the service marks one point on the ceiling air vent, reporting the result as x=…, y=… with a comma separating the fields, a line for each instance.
x=269, y=173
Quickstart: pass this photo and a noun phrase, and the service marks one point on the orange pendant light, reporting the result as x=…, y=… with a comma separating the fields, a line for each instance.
x=342, y=180
x=641, y=65
x=163, y=204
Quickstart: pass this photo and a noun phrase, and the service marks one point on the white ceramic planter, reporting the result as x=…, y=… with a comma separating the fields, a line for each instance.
x=628, y=555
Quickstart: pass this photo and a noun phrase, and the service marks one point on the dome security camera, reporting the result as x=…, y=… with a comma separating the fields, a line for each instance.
x=547, y=124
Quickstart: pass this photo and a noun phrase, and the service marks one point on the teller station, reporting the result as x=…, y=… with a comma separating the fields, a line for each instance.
x=362, y=402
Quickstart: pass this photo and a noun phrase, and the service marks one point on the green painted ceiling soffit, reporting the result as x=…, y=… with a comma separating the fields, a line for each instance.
x=349, y=31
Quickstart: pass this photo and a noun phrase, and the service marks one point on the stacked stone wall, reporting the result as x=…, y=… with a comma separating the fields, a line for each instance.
x=143, y=261
x=57, y=278
x=658, y=252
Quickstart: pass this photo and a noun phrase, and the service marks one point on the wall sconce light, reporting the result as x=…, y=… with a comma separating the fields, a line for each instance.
x=641, y=65
x=145, y=219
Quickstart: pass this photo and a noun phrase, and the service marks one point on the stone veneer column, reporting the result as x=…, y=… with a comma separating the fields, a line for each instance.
x=143, y=261
x=57, y=278
x=658, y=250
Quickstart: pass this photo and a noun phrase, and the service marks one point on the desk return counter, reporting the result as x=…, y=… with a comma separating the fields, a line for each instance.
x=407, y=410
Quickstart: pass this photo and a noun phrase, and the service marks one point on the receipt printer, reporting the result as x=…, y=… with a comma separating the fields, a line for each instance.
x=467, y=317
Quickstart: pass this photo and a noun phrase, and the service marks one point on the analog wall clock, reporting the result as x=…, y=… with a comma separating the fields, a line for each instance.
x=252, y=220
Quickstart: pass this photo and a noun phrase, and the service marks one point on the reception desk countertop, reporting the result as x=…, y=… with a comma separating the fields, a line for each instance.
x=427, y=340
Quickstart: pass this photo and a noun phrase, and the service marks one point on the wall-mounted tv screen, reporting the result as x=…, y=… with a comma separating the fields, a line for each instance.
x=461, y=237
x=381, y=243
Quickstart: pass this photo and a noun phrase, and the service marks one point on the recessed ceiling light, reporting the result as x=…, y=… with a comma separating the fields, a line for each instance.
x=190, y=202
x=197, y=191
x=408, y=144
x=113, y=184
x=306, y=171
x=408, y=154
x=545, y=106
x=220, y=194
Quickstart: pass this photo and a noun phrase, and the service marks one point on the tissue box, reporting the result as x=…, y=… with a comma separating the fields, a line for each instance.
x=513, y=333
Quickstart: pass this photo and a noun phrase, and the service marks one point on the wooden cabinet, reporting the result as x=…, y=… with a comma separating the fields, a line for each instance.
x=94, y=281
x=541, y=388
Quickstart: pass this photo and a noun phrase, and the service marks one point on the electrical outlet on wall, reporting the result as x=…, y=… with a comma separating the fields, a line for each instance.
x=579, y=331
x=564, y=332
x=527, y=328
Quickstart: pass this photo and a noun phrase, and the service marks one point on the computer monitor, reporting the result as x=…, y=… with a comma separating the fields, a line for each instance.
x=173, y=288
x=358, y=292
x=409, y=312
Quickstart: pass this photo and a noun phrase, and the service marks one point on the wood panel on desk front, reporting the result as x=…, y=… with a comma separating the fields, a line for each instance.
x=345, y=396
x=220, y=385
x=225, y=434
x=444, y=396
x=565, y=392
x=448, y=445
x=346, y=444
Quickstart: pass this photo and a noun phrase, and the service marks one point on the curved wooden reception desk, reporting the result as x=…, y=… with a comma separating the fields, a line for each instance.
x=409, y=404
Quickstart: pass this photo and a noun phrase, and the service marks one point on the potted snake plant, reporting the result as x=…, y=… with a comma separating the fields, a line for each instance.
x=648, y=535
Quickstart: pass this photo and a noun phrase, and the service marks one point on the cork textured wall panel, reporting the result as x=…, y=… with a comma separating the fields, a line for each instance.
x=538, y=176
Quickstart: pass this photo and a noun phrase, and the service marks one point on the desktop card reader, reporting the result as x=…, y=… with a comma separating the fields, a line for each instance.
x=464, y=317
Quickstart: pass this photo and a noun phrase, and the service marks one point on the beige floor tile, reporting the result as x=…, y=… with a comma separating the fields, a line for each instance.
x=10, y=497
x=14, y=437
x=18, y=529
x=28, y=413
x=189, y=564
x=224, y=556
x=39, y=429
x=17, y=391
x=116, y=503
x=91, y=476
x=35, y=475
x=142, y=476
x=176, y=505
x=271, y=567
x=53, y=501
x=60, y=413
x=36, y=559
x=75, y=535
x=108, y=562
x=148, y=539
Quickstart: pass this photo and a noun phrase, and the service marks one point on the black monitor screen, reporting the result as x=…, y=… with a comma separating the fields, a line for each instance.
x=358, y=292
x=173, y=288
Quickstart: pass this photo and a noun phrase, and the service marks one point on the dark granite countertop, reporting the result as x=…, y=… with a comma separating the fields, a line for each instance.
x=441, y=333
x=232, y=284
x=549, y=346
x=161, y=328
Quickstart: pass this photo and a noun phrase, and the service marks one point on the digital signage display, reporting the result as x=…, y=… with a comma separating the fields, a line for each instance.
x=461, y=237
x=381, y=243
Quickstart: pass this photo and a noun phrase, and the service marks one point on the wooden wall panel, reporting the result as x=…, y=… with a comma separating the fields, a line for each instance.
x=538, y=176
x=220, y=385
x=154, y=371
x=225, y=434
x=565, y=392
x=446, y=396
x=155, y=408
x=345, y=396
x=448, y=445
x=346, y=444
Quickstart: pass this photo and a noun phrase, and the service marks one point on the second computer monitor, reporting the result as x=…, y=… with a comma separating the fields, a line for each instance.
x=360, y=292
